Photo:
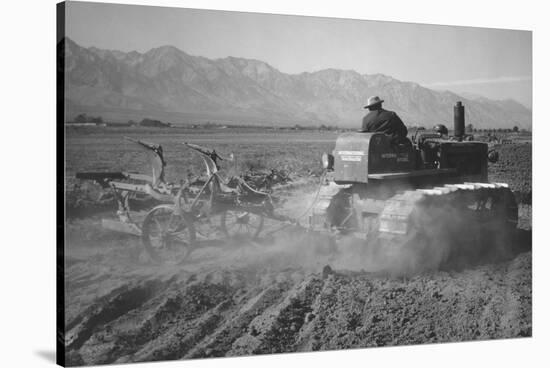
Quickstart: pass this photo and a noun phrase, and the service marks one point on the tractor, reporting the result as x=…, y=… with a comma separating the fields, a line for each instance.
x=415, y=198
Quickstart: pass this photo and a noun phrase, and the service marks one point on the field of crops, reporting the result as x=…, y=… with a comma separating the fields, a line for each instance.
x=298, y=152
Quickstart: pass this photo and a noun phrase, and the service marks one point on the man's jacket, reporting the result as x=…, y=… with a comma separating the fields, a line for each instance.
x=384, y=121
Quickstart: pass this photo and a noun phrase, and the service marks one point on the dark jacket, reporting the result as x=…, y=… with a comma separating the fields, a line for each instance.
x=384, y=121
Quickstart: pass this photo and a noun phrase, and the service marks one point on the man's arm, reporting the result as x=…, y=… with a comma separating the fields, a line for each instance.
x=399, y=125
x=364, y=126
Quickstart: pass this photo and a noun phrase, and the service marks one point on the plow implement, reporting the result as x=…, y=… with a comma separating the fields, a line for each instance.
x=187, y=214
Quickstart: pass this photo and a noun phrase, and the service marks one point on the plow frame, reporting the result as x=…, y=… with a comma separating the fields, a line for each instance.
x=187, y=203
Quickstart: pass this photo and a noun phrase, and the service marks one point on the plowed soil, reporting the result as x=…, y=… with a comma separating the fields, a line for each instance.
x=514, y=167
x=278, y=296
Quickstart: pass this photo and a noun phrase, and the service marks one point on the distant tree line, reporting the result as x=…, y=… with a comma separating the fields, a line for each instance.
x=83, y=119
x=154, y=123
x=471, y=129
x=323, y=127
x=515, y=129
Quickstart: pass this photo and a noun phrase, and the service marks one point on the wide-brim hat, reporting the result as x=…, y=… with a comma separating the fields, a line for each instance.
x=374, y=100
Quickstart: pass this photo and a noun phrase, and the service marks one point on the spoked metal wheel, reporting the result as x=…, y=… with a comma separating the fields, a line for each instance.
x=167, y=237
x=241, y=224
x=208, y=228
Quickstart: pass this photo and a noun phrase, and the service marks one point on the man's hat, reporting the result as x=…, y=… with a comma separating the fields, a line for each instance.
x=374, y=100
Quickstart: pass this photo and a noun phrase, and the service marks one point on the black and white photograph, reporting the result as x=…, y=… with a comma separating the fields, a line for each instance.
x=238, y=183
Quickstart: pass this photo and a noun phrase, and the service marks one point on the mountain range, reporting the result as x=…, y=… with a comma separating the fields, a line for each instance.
x=166, y=81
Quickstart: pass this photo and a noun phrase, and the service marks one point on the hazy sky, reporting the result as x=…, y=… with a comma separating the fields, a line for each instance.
x=488, y=62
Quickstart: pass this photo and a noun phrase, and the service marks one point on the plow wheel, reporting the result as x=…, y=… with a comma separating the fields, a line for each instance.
x=207, y=228
x=167, y=237
x=241, y=224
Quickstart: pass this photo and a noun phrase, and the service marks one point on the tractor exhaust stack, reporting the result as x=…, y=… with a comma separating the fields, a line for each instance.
x=459, y=126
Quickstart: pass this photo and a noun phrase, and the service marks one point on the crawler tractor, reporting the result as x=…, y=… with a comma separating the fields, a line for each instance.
x=420, y=202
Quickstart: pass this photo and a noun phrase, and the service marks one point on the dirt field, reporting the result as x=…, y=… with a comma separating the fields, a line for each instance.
x=274, y=296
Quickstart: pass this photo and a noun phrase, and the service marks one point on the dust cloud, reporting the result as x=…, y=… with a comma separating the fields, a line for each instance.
x=442, y=236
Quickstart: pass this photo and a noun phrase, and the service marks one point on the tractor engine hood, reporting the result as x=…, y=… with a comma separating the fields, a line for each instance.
x=357, y=154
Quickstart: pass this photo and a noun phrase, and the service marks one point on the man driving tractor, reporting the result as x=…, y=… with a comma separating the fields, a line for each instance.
x=383, y=121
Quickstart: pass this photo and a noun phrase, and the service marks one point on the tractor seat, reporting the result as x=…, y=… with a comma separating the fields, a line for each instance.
x=225, y=189
x=241, y=192
x=241, y=188
x=248, y=190
x=238, y=185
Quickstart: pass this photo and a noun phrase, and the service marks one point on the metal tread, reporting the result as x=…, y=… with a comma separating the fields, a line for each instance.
x=398, y=210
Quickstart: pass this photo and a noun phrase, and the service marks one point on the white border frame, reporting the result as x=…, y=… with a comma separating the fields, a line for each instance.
x=28, y=262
